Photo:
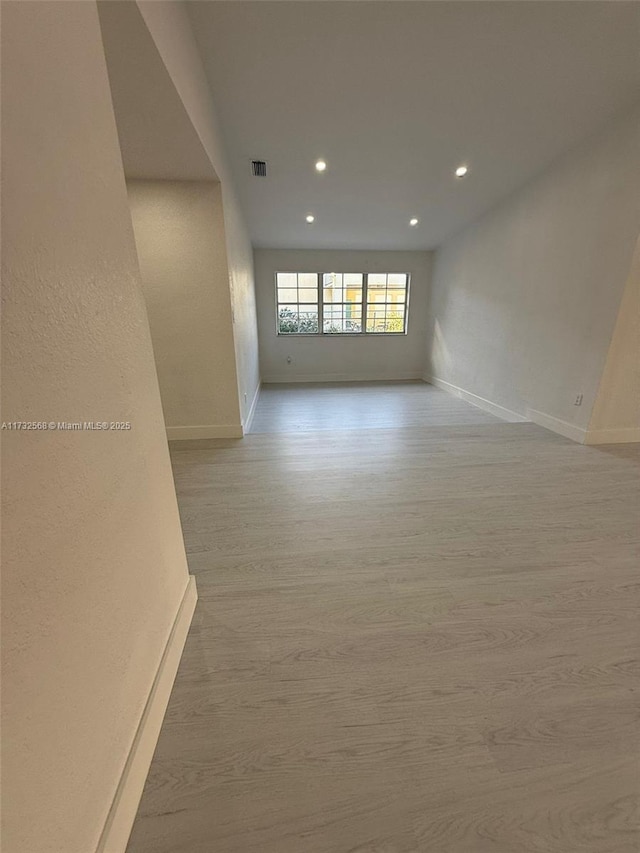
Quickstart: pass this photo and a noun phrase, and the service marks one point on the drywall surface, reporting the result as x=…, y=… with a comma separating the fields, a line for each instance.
x=157, y=137
x=616, y=413
x=179, y=231
x=94, y=563
x=525, y=300
x=170, y=28
x=243, y=302
x=320, y=358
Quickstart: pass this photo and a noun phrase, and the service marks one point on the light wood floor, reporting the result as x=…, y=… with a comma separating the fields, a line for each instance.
x=364, y=405
x=417, y=640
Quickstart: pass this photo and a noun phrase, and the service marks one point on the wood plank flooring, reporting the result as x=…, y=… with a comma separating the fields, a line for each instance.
x=360, y=405
x=416, y=640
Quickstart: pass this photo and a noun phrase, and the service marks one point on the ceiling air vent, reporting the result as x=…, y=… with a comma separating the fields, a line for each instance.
x=259, y=168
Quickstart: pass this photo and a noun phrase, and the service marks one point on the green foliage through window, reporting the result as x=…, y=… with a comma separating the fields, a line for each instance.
x=296, y=323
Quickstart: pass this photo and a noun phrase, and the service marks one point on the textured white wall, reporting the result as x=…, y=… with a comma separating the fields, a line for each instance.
x=179, y=231
x=319, y=358
x=617, y=406
x=525, y=300
x=169, y=25
x=94, y=564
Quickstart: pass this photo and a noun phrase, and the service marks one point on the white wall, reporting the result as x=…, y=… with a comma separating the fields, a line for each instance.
x=179, y=231
x=94, y=563
x=616, y=413
x=321, y=358
x=525, y=300
x=170, y=28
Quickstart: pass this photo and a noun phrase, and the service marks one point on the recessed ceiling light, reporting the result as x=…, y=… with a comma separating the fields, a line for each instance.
x=413, y=221
x=461, y=171
x=321, y=166
x=310, y=218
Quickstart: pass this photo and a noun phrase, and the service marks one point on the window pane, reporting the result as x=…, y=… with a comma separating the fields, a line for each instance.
x=287, y=320
x=376, y=312
x=331, y=279
x=286, y=279
x=286, y=294
x=308, y=322
x=397, y=279
x=394, y=322
x=353, y=295
x=353, y=325
x=331, y=295
x=377, y=279
x=307, y=295
x=307, y=279
x=353, y=279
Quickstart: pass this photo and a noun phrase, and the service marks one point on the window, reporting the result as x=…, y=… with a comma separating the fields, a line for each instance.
x=386, y=302
x=341, y=303
x=297, y=295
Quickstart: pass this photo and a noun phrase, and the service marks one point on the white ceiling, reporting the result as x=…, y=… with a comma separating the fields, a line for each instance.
x=394, y=95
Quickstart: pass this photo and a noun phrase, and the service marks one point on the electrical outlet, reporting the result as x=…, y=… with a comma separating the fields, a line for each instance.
x=578, y=401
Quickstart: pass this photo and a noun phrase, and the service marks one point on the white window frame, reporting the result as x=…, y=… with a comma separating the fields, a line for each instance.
x=363, y=331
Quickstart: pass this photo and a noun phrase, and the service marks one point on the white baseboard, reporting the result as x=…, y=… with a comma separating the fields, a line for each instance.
x=575, y=433
x=252, y=409
x=286, y=378
x=179, y=433
x=117, y=828
x=622, y=435
x=475, y=400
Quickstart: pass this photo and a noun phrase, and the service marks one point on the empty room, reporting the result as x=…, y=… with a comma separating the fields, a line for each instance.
x=320, y=426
